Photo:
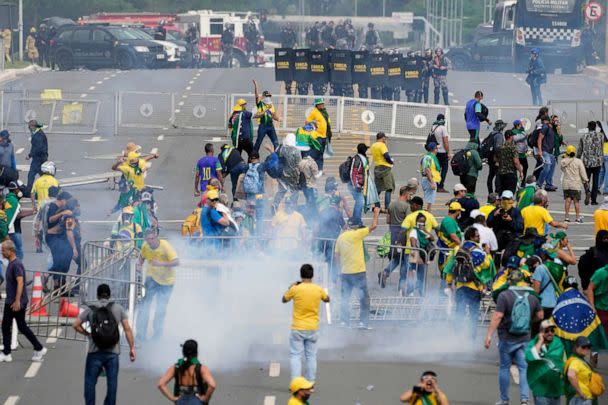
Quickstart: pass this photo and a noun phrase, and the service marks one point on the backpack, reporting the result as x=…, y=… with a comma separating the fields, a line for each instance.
x=345, y=168
x=596, y=385
x=273, y=167
x=533, y=137
x=463, y=271
x=104, y=327
x=192, y=224
x=431, y=137
x=460, y=163
x=200, y=384
x=520, y=314
x=252, y=181
x=486, y=149
x=384, y=245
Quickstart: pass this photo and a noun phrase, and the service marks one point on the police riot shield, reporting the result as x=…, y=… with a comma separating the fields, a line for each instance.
x=412, y=73
x=393, y=70
x=377, y=69
x=319, y=67
x=340, y=63
x=301, y=69
x=284, y=64
x=360, y=74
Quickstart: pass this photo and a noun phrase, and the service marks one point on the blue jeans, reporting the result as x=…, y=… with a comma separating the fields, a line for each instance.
x=18, y=241
x=400, y=260
x=537, y=98
x=161, y=293
x=189, y=399
x=263, y=130
x=359, y=202
x=545, y=175
x=357, y=282
x=303, y=342
x=547, y=401
x=603, y=177
x=418, y=285
x=508, y=353
x=467, y=297
x=95, y=363
x=580, y=401
x=259, y=212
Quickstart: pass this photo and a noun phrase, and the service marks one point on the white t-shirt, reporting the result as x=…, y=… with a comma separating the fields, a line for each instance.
x=413, y=234
x=441, y=132
x=486, y=236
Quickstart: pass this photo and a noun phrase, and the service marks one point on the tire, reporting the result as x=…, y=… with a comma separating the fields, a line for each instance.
x=460, y=62
x=124, y=61
x=239, y=60
x=64, y=60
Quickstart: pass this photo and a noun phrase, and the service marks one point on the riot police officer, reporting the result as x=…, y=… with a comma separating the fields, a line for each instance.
x=288, y=37
x=376, y=88
x=227, y=40
x=440, y=76
x=160, y=34
x=410, y=62
x=427, y=72
x=372, y=38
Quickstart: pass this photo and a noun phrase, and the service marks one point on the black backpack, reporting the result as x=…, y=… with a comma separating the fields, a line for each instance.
x=533, y=137
x=431, y=137
x=460, y=163
x=200, y=384
x=345, y=168
x=463, y=270
x=486, y=149
x=104, y=327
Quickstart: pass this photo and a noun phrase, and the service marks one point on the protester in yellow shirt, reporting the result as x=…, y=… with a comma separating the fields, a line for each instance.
x=133, y=168
x=426, y=392
x=288, y=227
x=40, y=189
x=300, y=390
x=160, y=277
x=493, y=202
x=306, y=298
x=350, y=256
x=600, y=216
x=383, y=168
x=537, y=216
x=579, y=373
x=409, y=222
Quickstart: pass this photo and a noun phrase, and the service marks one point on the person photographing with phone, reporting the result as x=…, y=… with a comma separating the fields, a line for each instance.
x=425, y=392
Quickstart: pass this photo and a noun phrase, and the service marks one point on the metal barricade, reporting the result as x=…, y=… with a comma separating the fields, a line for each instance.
x=76, y=116
x=415, y=121
x=366, y=116
x=202, y=111
x=22, y=110
x=574, y=114
x=138, y=109
x=511, y=113
x=2, y=57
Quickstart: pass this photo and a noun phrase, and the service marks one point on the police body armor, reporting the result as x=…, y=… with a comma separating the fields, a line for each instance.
x=340, y=62
x=395, y=80
x=301, y=70
x=360, y=73
x=319, y=71
x=412, y=77
x=377, y=74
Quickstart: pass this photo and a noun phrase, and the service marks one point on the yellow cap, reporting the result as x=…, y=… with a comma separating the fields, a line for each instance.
x=213, y=194
x=133, y=147
x=570, y=149
x=128, y=210
x=455, y=206
x=239, y=105
x=299, y=383
x=133, y=157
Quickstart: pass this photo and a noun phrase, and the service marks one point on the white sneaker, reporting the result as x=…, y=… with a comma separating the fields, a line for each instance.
x=38, y=355
x=5, y=358
x=514, y=373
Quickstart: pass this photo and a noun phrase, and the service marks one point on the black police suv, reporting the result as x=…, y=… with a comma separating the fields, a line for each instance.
x=490, y=52
x=97, y=47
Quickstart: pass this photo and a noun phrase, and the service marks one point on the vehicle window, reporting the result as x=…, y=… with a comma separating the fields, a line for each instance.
x=491, y=41
x=124, y=34
x=139, y=34
x=64, y=35
x=101, y=36
x=217, y=26
x=81, y=36
x=507, y=40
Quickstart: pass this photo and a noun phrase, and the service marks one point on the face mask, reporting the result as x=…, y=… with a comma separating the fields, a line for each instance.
x=267, y=100
x=420, y=224
x=506, y=204
x=305, y=397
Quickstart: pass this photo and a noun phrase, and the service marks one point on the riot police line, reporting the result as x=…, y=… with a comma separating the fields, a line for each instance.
x=379, y=75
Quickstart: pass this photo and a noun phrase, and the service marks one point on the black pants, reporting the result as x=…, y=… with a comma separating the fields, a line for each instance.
x=234, y=176
x=508, y=182
x=593, y=173
x=469, y=182
x=7, y=325
x=245, y=145
x=523, y=161
x=31, y=175
x=538, y=168
x=492, y=174
x=444, y=163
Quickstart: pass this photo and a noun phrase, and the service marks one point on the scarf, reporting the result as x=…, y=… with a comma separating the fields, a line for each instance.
x=326, y=117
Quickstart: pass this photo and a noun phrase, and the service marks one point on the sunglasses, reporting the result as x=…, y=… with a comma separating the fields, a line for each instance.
x=549, y=330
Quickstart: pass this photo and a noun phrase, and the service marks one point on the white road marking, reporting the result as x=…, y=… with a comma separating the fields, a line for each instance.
x=188, y=88
x=19, y=151
x=33, y=370
x=455, y=100
x=184, y=96
x=274, y=370
x=94, y=139
x=153, y=151
x=177, y=111
x=195, y=77
x=191, y=82
x=113, y=75
x=14, y=399
x=164, y=129
x=198, y=74
x=83, y=95
x=277, y=338
x=450, y=94
x=520, y=79
x=106, y=78
x=92, y=88
x=55, y=118
x=160, y=137
x=72, y=173
x=270, y=400
x=99, y=82
x=181, y=103
x=200, y=70
x=572, y=125
x=55, y=332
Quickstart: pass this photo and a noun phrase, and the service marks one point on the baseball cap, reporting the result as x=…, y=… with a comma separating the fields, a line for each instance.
x=213, y=195
x=13, y=185
x=475, y=213
x=507, y=195
x=459, y=187
x=513, y=262
x=492, y=197
x=455, y=206
x=582, y=341
x=570, y=149
x=300, y=383
x=412, y=183
x=266, y=93
x=319, y=100
x=431, y=146
x=516, y=123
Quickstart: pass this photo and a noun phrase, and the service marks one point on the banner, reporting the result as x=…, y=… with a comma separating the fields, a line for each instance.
x=284, y=64
x=377, y=69
x=412, y=73
x=360, y=74
x=301, y=71
x=340, y=63
x=394, y=70
x=319, y=67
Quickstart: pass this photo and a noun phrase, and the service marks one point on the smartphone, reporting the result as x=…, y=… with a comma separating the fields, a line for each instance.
x=417, y=390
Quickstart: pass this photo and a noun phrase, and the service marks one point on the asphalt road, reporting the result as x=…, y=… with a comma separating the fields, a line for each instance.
x=355, y=367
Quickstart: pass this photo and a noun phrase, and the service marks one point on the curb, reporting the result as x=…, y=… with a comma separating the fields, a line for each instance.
x=12, y=74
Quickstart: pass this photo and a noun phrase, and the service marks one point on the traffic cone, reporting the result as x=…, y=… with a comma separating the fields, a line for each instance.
x=68, y=310
x=35, y=308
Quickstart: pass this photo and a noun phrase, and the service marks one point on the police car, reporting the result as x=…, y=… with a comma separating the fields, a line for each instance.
x=489, y=52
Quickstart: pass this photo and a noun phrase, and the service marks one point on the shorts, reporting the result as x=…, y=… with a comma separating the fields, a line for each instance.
x=429, y=193
x=573, y=194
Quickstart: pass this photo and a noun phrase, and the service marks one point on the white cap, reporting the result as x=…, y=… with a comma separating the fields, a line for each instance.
x=507, y=194
x=475, y=213
x=459, y=187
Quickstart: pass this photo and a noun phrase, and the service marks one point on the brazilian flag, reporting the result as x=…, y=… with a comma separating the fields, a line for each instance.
x=307, y=136
x=236, y=127
x=558, y=273
x=484, y=269
x=501, y=282
x=574, y=317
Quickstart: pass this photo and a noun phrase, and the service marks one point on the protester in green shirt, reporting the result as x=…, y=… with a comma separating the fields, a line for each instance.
x=526, y=194
x=450, y=233
x=597, y=293
x=545, y=356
